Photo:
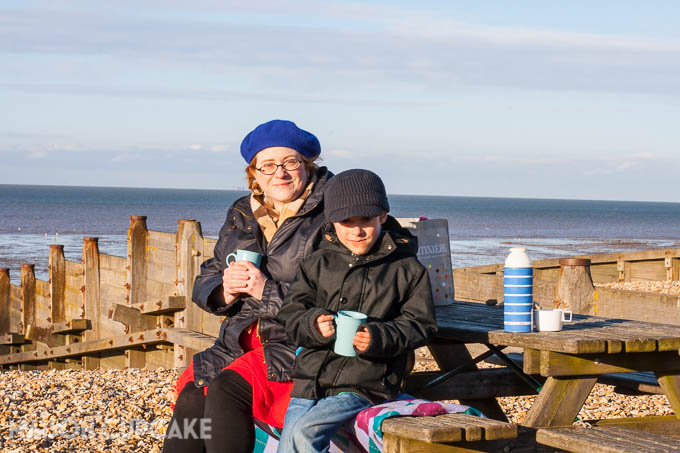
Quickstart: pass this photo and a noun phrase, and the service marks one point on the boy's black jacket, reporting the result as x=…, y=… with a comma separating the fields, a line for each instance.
x=389, y=285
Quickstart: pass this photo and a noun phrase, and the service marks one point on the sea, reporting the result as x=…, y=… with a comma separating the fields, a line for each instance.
x=481, y=229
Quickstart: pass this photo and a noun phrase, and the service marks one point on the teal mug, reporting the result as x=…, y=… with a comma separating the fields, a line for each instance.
x=346, y=325
x=245, y=255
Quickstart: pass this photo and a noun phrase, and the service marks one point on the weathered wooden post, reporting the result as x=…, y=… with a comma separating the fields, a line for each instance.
x=4, y=307
x=623, y=267
x=138, y=256
x=57, y=270
x=138, y=259
x=91, y=299
x=672, y=266
x=189, y=257
x=574, y=290
x=28, y=308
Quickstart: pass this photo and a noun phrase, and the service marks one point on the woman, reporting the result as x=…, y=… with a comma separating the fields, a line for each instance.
x=247, y=371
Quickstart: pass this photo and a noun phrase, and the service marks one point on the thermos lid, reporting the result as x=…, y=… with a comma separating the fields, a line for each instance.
x=518, y=258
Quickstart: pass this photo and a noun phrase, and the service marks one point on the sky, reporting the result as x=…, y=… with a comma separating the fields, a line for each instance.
x=537, y=99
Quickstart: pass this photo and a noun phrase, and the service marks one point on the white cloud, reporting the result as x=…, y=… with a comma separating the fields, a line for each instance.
x=340, y=153
x=37, y=155
x=219, y=148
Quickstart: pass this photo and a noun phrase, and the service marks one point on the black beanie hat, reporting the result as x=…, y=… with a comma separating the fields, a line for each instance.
x=354, y=193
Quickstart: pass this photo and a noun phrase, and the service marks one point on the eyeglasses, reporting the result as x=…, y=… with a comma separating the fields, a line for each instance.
x=270, y=167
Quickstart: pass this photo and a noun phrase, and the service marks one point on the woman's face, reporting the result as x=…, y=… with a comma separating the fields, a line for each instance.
x=283, y=186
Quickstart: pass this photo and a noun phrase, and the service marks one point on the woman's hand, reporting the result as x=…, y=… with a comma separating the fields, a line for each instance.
x=361, y=340
x=242, y=277
x=325, y=325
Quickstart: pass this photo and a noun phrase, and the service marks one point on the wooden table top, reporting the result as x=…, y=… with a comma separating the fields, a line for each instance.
x=470, y=322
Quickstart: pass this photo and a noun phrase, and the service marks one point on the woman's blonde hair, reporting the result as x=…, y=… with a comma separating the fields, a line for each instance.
x=254, y=187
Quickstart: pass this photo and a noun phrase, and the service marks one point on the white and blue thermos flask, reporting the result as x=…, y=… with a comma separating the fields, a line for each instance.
x=518, y=291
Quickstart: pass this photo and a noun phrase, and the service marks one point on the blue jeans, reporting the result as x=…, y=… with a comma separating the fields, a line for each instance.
x=311, y=424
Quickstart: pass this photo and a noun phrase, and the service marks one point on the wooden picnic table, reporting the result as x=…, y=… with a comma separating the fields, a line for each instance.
x=571, y=360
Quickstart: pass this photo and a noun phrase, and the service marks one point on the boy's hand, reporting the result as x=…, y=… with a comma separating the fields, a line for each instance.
x=361, y=340
x=325, y=325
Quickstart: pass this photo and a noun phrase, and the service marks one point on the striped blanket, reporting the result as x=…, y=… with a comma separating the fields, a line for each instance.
x=364, y=434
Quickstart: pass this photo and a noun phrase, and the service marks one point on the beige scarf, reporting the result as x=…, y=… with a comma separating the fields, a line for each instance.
x=269, y=218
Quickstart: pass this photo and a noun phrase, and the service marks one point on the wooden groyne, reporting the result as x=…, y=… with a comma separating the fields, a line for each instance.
x=108, y=311
x=135, y=311
x=485, y=284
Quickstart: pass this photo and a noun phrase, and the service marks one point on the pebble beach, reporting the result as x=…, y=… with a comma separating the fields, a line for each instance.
x=129, y=410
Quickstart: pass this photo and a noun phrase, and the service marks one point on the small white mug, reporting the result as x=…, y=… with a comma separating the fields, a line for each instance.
x=551, y=320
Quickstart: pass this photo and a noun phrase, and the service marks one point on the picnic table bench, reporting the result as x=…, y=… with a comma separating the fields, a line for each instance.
x=443, y=433
x=570, y=360
x=607, y=439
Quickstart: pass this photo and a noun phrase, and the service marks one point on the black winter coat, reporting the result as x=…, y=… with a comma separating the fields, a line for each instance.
x=389, y=285
x=295, y=239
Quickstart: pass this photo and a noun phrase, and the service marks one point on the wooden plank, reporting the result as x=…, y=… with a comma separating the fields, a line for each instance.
x=208, y=248
x=163, y=257
x=426, y=429
x=605, y=440
x=532, y=361
x=190, y=339
x=604, y=272
x=557, y=364
x=559, y=402
x=159, y=290
x=57, y=272
x=189, y=253
x=71, y=326
x=210, y=324
x=167, y=305
x=15, y=314
x=113, y=278
x=73, y=305
x=657, y=254
x=113, y=264
x=91, y=299
x=670, y=384
x=12, y=338
x=135, y=358
x=161, y=240
x=544, y=293
x=665, y=425
x=449, y=428
x=43, y=303
x=159, y=358
x=89, y=347
x=647, y=270
x=132, y=318
x=43, y=335
x=113, y=295
x=74, y=268
x=649, y=307
x=4, y=301
x=74, y=283
x=477, y=287
x=166, y=273
x=137, y=259
x=28, y=308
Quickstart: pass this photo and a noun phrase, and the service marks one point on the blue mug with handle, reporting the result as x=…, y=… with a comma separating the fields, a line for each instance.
x=245, y=255
x=347, y=323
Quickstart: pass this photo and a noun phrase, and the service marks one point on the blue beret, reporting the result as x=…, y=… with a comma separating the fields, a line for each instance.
x=279, y=133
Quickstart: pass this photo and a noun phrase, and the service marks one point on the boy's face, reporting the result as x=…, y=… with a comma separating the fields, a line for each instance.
x=359, y=234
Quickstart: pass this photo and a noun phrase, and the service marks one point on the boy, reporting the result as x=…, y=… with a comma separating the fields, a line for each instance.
x=366, y=263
